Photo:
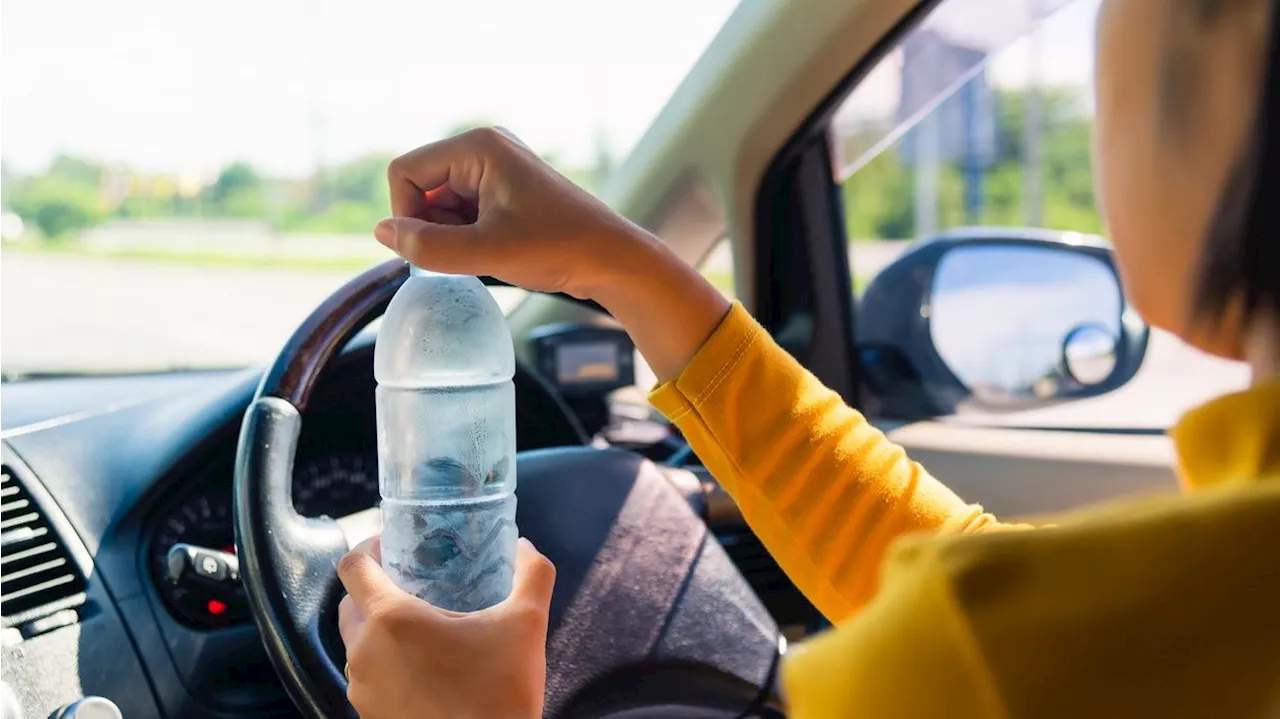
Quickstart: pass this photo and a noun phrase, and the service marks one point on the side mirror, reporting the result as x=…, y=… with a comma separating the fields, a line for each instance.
x=1000, y=323
x=1089, y=354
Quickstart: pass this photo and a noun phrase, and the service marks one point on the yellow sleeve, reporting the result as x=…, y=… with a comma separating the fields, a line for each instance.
x=823, y=489
x=910, y=653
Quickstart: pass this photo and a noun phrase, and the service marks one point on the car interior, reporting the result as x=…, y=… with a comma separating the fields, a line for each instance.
x=170, y=540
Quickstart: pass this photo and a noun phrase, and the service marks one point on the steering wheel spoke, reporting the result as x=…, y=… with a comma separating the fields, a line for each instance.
x=289, y=561
x=359, y=526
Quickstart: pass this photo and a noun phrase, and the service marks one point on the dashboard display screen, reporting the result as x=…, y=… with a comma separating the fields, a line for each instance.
x=587, y=362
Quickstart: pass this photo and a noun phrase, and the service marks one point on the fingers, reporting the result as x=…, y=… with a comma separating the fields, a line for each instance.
x=445, y=199
x=535, y=576
x=361, y=573
x=438, y=216
x=439, y=194
x=459, y=162
x=349, y=620
x=510, y=136
x=412, y=174
x=463, y=249
x=371, y=546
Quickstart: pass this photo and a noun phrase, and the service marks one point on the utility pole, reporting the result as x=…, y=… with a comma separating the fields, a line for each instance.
x=928, y=157
x=1033, y=125
x=972, y=162
x=315, y=101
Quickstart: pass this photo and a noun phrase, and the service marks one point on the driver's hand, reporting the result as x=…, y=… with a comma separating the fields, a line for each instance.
x=406, y=658
x=482, y=203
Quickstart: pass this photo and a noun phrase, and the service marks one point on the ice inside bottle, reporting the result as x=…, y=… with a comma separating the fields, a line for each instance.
x=444, y=364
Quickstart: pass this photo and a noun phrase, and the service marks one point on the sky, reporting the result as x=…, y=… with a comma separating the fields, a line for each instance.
x=186, y=87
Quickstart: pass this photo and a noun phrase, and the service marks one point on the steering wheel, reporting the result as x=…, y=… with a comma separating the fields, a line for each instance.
x=649, y=616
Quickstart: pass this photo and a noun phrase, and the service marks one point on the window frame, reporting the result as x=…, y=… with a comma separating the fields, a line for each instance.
x=803, y=279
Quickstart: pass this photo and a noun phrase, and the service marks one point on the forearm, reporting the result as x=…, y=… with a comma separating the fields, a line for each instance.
x=664, y=304
x=824, y=490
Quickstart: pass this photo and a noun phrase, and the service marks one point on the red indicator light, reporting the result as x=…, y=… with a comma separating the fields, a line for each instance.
x=216, y=608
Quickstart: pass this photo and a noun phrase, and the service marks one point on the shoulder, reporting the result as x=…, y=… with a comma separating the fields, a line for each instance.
x=907, y=653
x=1111, y=604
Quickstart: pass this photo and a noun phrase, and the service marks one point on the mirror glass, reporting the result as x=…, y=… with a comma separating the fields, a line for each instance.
x=1089, y=354
x=1016, y=323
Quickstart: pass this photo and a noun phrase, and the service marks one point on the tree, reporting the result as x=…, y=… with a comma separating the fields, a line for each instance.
x=878, y=200
x=348, y=198
x=340, y=217
x=880, y=197
x=1069, y=202
x=76, y=170
x=363, y=180
x=236, y=177
x=57, y=206
x=238, y=192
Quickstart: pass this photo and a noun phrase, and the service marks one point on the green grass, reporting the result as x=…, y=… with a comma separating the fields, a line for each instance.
x=720, y=279
x=200, y=259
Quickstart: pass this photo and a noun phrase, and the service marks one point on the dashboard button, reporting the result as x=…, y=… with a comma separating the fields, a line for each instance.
x=208, y=566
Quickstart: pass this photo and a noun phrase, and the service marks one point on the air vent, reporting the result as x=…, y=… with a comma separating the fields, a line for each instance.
x=36, y=570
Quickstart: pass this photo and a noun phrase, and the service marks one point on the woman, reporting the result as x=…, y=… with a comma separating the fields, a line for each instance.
x=1161, y=608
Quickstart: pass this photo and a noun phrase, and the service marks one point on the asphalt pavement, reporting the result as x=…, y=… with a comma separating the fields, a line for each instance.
x=61, y=312
x=66, y=313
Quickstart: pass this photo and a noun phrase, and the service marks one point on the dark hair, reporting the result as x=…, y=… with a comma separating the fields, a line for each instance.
x=1240, y=263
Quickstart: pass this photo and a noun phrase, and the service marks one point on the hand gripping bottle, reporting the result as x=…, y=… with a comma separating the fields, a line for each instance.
x=447, y=442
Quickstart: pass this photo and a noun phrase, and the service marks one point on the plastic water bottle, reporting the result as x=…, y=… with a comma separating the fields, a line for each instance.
x=446, y=442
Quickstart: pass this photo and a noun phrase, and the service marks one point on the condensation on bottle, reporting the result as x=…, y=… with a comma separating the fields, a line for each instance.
x=444, y=364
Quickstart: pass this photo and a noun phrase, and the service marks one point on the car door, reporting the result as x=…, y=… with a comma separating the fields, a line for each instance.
x=814, y=143
x=970, y=128
x=985, y=139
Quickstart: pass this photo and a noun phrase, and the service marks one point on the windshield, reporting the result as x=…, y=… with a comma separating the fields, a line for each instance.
x=184, y=182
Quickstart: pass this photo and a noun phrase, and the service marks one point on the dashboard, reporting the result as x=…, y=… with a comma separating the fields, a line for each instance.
x=132, y=476
x=192, y=536
x=123, y=470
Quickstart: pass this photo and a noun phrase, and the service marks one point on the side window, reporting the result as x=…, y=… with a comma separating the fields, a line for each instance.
x=964, y=162
x=717, y=267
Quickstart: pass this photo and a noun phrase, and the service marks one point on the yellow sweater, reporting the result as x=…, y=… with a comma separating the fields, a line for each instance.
x=1162, y=608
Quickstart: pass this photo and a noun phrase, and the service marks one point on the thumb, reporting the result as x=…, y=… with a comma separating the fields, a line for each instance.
x=360, y=571
x=462, y=249
x=535, y=576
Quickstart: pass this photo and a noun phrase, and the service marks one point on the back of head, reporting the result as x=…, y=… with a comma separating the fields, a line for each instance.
x=1182, y=155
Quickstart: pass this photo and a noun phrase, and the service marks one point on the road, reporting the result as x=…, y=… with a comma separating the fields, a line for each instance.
x=61, y=312
x=73, y=313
